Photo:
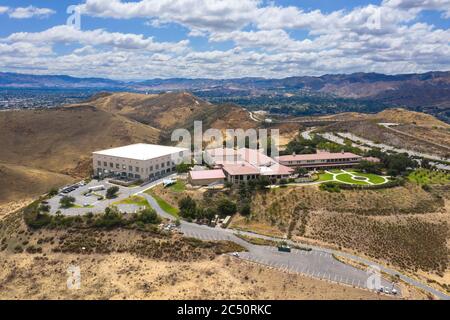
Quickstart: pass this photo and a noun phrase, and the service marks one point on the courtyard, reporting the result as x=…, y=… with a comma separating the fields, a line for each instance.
x=350, y=176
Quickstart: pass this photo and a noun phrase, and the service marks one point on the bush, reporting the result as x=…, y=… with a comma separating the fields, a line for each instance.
x=67, y=201
x=44, y=208
x=52, y=192
x=245, y=209
x=330, y=187
x=148, y=216
x=110, y=219
x=183, y=167
x=111, y=192
x=188, y=207
x=226, y=207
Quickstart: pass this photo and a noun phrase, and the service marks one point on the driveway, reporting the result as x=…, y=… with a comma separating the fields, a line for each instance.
x=315, y=263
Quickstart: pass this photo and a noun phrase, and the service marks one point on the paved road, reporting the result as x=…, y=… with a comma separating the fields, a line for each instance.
x=99, y=206
x=390, y=126
x=318, y=263
x=307, y=133
x=315, y=263
x=358, y=142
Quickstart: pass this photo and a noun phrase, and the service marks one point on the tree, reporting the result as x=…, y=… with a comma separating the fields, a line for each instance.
x=226, y=207
x=111, y=218
x=188, y=207
x=301, y=171
x=149, y=215
x=209, y=213
x=67, y=201
x=44, y=208
x=53, y=192
x=263, y=182
x=245, y=208
x=111, y=192
x=369, y=167
x=425, y=163
x=183, y=167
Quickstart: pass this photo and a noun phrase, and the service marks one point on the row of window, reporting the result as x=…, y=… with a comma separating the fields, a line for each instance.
x=130, y=168
x=320, y=161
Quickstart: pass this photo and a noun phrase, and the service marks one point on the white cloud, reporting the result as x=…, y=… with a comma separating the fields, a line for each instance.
x=388, y=38
x=194, y=14
x=3, y=9
x=97, y=37
x=29, y=12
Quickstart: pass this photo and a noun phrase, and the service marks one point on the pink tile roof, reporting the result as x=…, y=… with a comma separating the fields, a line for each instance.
x=238, y=169
x=318, y=156
x=207, y=174
x=255, y=157
x=371, y=159
x=276, y=169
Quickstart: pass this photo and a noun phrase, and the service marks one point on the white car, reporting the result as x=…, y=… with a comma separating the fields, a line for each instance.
x=235, y=254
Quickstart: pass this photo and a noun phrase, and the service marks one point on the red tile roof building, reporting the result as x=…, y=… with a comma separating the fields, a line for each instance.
x=321, y=159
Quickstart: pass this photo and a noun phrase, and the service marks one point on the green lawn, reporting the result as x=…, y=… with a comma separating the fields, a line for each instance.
x=425, y=176
x=137, y=200
x=325, y=177
x=374, y=178
x=164, y=205
x=349, y=179
x=179, y=186
x=344, y=177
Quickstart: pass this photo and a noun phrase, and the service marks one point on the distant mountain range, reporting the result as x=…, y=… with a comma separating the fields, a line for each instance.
x=364, y=92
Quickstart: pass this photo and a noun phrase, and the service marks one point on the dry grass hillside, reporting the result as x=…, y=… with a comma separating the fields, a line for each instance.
x=20, y=182
x=169, y=111
x=404, y=116
x=393, y=115
x=44, y=148
x=401, y=226
x=416, y=131
x=62, y=139
x=133, y=264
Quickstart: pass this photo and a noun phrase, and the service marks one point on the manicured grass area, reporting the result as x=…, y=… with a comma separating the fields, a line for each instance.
x=137, y=200
x=374, y=178
x=425, y=176
x=164, y=205
x=325, y=177
x=179, y=186
x=346, y=177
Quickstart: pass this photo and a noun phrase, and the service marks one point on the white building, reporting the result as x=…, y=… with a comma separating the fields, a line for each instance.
x=138, y=161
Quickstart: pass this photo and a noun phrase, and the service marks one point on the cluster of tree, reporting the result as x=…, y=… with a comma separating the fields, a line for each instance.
x=183, y=167
x=301, y=145
x=111, y=192
x=330, y=187
x=66, y=201
x=37, y=216
x=396, y=163
x=190, y=209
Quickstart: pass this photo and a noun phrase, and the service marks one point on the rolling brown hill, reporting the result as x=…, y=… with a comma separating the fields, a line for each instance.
x=20, y=182
x=59, y=141
x=169, y=111
x=50, y=147
x=62, y=139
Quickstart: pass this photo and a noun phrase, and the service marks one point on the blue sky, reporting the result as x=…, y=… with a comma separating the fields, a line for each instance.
x=223, y=39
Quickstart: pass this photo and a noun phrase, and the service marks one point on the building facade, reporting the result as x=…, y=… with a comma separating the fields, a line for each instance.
x=320, y=160
x=137, y=161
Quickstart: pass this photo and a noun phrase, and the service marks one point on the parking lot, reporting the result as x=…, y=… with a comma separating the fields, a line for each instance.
x=94, y=201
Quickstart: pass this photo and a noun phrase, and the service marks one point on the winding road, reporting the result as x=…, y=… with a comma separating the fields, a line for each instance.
x=318, y=263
